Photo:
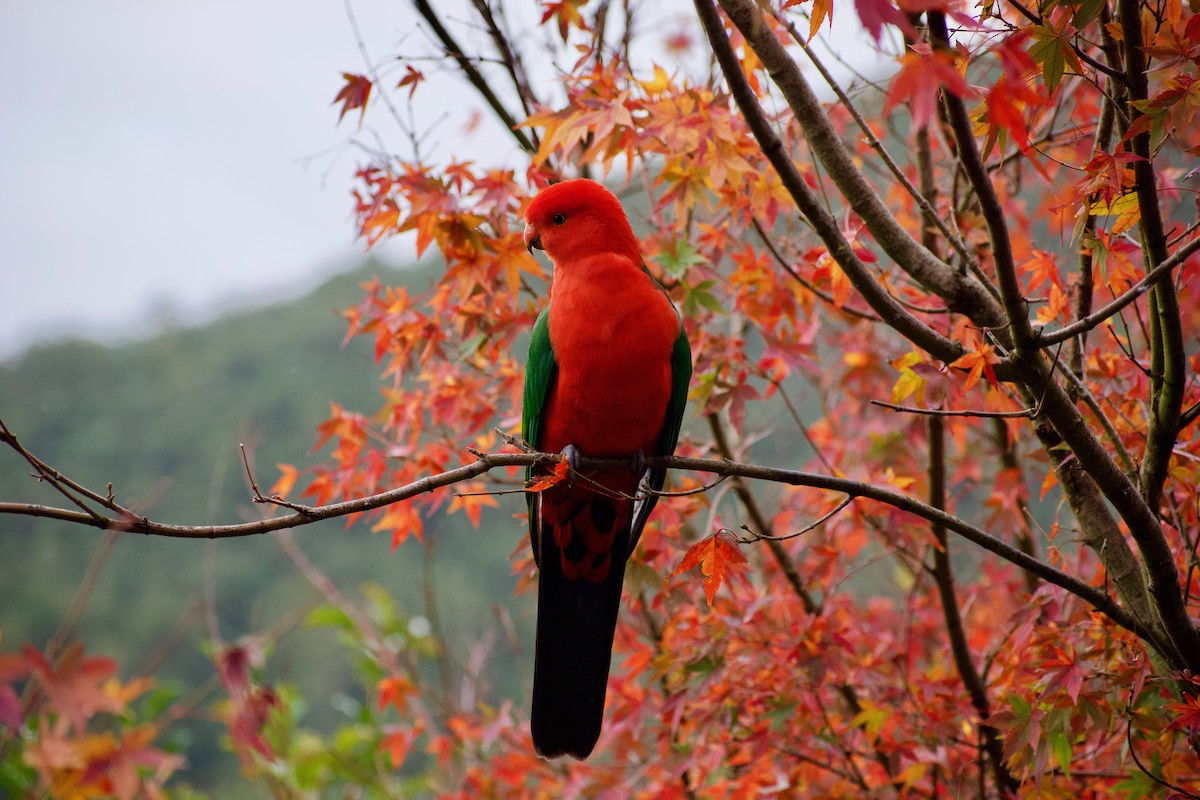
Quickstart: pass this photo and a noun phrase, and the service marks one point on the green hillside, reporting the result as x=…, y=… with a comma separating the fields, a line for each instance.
x=161, y=420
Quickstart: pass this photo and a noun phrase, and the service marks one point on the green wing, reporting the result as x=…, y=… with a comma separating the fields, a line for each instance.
x=681, y=376
x=540, y=372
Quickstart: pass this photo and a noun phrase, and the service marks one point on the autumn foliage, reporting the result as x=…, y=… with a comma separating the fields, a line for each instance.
x=966, y=294
x=1020, y=169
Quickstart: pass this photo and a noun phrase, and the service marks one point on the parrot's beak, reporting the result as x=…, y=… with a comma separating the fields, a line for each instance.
x=532, y=240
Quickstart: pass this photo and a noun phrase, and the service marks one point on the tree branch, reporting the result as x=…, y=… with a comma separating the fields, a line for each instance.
x=961, y=292
x=485, y=462
x=509, y=56
x=1168, y=356
x=1016, y=309
x=823, y=222
x=1117, y=487
x=919, y=196
x=943, y=575
x=1131, y=294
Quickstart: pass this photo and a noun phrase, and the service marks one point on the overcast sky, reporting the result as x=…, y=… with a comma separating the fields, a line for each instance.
x=168, y=160
x=174, y=158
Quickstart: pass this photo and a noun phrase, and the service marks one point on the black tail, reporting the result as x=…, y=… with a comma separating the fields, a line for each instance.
x=575, y=627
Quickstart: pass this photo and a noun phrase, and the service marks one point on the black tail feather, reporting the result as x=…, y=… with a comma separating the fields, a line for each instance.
x=576, y=623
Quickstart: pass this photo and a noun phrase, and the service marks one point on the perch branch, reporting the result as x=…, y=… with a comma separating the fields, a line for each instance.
x=136, y=523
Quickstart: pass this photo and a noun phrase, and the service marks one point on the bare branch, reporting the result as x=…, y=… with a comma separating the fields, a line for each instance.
x=509, y=56
x=1029, y=413
x=1167, y=352
x=943, y=574
x=472, y=73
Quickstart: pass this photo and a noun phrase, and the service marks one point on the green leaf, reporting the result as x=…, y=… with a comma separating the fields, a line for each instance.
x=160, y=698
x=676, y=261
x=1048, y=50
x=472, y=345
x=1020, y=708
x=328, y=616
x=640, y=577
x=1087, y=11
x=1137, y=786
x=699, y=296
x=781, y=715
x=1062, y=751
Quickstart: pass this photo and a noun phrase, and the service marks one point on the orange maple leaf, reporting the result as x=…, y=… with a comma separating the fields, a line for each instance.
x=714, y=555
x=287, y=480
x=557, y=476
x=1041, y=268
x=395, y=691
x=977, y=364
x=403, y=520
x=397, y=741
x=567, y=13
x=472, y=501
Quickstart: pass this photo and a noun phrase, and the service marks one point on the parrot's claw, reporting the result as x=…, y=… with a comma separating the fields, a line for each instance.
x=571, y=455
x=637, y=463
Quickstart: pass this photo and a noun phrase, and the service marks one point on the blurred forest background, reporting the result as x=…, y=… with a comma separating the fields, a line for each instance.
x=161, y=419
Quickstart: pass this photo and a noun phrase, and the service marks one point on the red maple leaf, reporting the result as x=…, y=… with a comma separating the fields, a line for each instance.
x=1189, y=714
x=76, y=686
x=354, y=94
x=874, y=14
x=251, y=704
x=412, y=78
x=1065, y=672
x=924, y=72
x=13, y=668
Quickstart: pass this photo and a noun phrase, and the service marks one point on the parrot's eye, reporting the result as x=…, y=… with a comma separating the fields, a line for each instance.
x=559, y=219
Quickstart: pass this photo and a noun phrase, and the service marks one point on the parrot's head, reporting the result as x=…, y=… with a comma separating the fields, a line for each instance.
x=577, y=218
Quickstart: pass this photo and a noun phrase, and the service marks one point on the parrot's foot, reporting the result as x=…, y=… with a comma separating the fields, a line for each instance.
x=571, y=455
x=637, y=462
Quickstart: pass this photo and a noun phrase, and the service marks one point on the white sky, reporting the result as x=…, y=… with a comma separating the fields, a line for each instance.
x=168, y=160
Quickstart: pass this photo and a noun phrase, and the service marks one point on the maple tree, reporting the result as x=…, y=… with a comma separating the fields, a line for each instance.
x=965, y=299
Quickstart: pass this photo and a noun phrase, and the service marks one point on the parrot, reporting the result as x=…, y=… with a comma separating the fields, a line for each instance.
x=607, y=375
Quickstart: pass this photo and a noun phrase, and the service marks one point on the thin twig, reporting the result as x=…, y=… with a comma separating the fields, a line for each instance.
x=1131, y=294
x=787, y=267
x=1133, y=753
x=1031, y=413
x=756, y=537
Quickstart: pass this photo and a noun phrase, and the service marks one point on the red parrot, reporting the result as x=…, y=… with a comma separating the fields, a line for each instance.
x=607, y=375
